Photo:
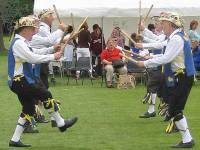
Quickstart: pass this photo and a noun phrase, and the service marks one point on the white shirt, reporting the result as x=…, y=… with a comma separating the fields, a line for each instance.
x=44, y=38
x=22, y=53
x=150, y=35
x=156, y=45
x=153, y=41
x=173, y=53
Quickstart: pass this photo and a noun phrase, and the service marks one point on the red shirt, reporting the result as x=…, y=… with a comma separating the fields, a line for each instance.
x=111, y=55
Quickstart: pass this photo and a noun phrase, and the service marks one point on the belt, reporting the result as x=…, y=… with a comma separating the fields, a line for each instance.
x=18, y=77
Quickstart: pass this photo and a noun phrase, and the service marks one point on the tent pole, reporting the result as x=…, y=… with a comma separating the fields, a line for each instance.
x=102, y=35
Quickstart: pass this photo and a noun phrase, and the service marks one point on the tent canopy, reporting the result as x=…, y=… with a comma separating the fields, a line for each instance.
x=118, y=8
x=122, y=13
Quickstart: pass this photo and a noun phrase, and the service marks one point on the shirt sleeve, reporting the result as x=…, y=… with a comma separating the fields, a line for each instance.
x=156, y=45
x=22, y=51
x=43, y=51
x=51, y=37
x=174, y=47
x=151, y=35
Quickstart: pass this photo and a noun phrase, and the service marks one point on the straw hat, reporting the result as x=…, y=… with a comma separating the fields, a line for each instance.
x=45, y=13
x=25, y=22
x=173, y=18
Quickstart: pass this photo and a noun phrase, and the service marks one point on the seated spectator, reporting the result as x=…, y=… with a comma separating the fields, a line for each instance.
x=193, y=34
x=196, y=54
x=113, y=61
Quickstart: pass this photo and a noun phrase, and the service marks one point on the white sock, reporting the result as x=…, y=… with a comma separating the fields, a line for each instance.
x=52, y=118
x=59, y=120
x=183, y=129
x=153, y=100
x=19, y=130
x=41, y=108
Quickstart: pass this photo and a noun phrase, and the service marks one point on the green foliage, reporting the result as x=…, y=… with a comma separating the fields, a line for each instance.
x=11, y=10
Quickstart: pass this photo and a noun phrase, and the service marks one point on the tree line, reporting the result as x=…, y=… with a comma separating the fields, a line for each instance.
x=10, y=11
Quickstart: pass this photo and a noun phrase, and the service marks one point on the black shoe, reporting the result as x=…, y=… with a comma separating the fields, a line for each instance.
x=18, y=144
x=68, y=123
x=30, y=129
x=41, y=119
x=184, y=145
x=148, y=115
x=53, y=124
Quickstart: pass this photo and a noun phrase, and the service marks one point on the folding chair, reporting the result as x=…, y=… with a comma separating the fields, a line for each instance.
x=59, y=64
x=133, y=69
x=84, y=66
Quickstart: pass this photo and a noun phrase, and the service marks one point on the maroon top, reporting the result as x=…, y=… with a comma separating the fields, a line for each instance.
x=96, y=43
x=84, y=39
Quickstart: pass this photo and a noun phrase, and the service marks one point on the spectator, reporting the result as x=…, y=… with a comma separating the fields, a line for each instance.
x=113, y=61
x=68, y=52
x=84, y=39
x=193, y=35
x=196, y=54
x=96, y=46
x=116, y=35
x=152, y=28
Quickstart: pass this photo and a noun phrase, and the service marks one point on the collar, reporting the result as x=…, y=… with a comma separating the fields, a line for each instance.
x=173, y=33
x=21, y=37
x=45, y=25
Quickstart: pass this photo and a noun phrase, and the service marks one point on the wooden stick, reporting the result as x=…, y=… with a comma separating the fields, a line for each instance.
x=145, y=19
x=77, y=31
x=125, y=34
x=63, y=35
x=140, y=15
x=72, y=36
x=72, y=20
x=129, y=58
x=131, y=52
x=82, y=24
x=57, y=15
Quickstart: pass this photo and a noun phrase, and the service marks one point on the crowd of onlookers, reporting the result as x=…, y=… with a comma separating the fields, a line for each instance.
x=93, y=45
x=195, y=39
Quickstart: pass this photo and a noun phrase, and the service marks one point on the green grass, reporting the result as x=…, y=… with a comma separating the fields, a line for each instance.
x=108, y=119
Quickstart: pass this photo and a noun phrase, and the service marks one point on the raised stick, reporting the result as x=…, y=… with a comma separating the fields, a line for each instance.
x=82, y=24
x=145, y=19
x=72, y=20
x=57, y=15
x=140, y=15
x=126, y=34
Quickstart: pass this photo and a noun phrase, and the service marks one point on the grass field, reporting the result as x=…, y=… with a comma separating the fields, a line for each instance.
x=108, y=119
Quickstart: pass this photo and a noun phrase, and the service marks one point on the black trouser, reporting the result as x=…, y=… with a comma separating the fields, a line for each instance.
x=98, y=67
x=29, y=93
x=44, y=72
x=162, y=91
x=153, y=80
x=177, y=96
